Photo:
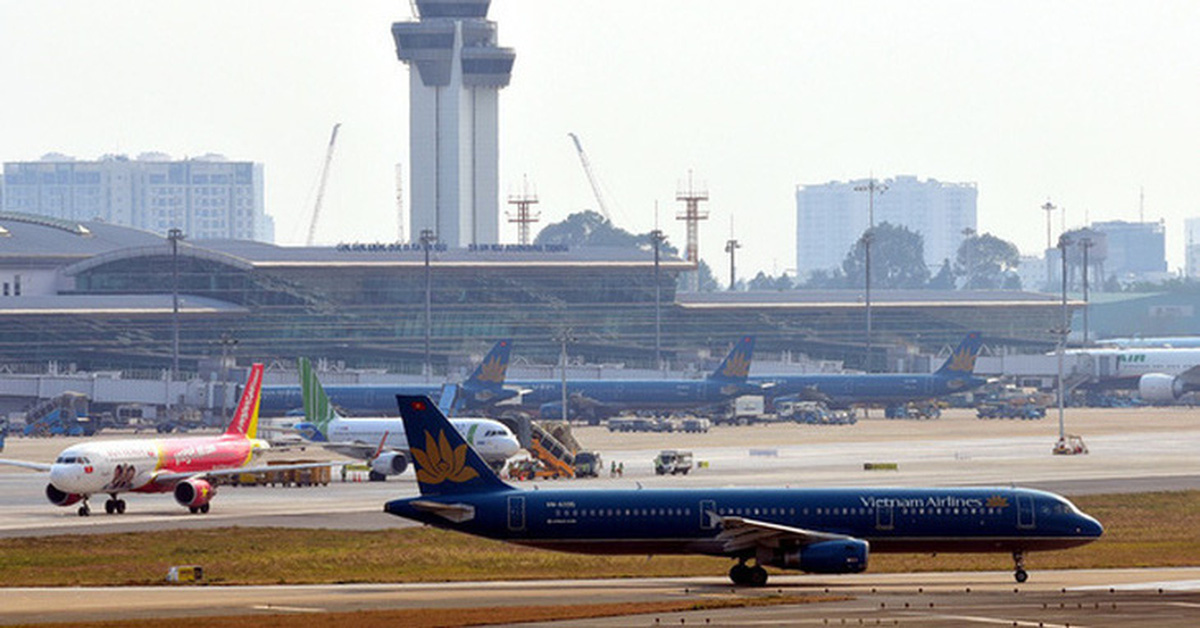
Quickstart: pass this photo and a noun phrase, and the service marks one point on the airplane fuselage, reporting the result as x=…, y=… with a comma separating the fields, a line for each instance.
x=131, y=465
x=869, y=388
x=627, y=394
x=672, y=521
x=493, y=441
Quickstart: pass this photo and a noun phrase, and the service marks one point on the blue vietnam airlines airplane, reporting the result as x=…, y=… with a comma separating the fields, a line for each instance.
x=828, y=531
x=484, y=388
x=596, y=399
x=842, y=390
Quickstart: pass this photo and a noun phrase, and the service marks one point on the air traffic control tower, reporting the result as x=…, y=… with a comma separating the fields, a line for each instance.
x=456, y=71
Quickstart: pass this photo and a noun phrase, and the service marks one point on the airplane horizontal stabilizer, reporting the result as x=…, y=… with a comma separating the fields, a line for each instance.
x=457, y=513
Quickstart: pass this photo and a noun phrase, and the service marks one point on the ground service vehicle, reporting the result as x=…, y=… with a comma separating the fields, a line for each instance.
x=588, y=464
x=673, y=461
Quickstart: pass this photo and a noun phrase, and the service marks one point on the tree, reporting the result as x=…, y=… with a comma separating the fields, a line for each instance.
x=763, y=281
x=897, y=258
x=824, y=279
x=987, y=263
x=588, y=228
x=944, y=279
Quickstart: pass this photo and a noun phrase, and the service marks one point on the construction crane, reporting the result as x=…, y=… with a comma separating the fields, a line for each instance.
x=587, y=169
x=312, y=226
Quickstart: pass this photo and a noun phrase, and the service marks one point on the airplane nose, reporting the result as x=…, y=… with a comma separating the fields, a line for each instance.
x=1089, y=527
x=61, y=477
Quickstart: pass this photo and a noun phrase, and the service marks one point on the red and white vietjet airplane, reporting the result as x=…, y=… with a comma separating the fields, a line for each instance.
x=178, y=465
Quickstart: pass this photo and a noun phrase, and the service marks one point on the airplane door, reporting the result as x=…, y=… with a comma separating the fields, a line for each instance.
x=883, y=518
x=708, y=514
x=1025, y=514
x=516, y=513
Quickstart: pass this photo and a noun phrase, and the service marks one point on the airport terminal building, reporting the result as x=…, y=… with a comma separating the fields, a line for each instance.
x=95, y=296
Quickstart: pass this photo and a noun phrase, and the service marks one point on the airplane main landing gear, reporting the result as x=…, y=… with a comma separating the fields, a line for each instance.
x=1019, y=562
x=199, y=510
x=114, y=505
x=744, y=574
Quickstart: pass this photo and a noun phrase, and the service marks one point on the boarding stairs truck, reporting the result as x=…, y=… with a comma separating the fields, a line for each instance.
x=64, y=415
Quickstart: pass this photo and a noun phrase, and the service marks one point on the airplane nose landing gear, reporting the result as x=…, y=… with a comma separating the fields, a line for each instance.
x=1019, y=562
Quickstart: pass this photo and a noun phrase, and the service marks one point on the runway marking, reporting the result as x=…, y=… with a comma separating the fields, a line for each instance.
x=286, y=609
x=993, y=620
x=1168, y=585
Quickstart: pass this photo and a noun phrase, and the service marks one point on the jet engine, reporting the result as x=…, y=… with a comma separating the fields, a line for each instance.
x=1160, y=388
x=59, y=498
x=840, y=556
x=194, y=493
x=390, y=463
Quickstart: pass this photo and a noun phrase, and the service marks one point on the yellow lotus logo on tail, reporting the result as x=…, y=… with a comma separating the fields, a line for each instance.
x=963, y=361
x=737, y=367
x=996, y=501
x=439, y=462
x=493, y=370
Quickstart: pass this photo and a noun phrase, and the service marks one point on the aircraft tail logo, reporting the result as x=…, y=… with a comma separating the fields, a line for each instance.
x=445, y=463
x=245, y=418
x=736, y=365
x=962, y=361
x=493, y=369
x=317, y=407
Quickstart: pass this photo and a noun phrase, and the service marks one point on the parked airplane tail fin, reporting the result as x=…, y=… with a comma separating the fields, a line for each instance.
x=245, y=418
x=492, y=370
x=736, y=365
x=445, y=463
x=317, y=407
x=962, y=361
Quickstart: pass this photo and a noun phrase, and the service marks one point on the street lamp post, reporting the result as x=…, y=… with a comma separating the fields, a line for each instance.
x=872, y=188
x=174, y=236
x=1063, y=330
x=564, y=337
x=1085, y=243
x=427, y=239
x=657, y=237
x=228, y=343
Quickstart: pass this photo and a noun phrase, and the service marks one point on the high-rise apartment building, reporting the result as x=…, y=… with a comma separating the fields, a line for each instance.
x=831, y=217
x=456, y=71
x=1137, y=251
x=208, y=198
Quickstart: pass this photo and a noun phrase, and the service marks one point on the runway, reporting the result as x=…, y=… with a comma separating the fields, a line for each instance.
x=1136, y=450
x=1131, y=451
x=1054, y=598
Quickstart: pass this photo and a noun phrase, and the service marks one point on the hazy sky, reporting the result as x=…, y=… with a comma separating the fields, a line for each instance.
x=1083, y=103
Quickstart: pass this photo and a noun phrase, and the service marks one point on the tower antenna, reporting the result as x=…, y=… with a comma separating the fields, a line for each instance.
x=692, y=215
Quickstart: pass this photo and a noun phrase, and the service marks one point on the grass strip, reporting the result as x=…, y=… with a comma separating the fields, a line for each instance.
x=1141, y=530
x=439, y=617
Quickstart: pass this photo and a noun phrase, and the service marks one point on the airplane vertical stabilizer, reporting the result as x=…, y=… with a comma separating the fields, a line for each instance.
x=317, y=407
x=492, y=370
x=962, y=361
x=445, y=463
x=245, y=419
x=736, y=366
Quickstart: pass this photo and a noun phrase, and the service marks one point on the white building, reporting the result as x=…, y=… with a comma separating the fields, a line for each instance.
x=208, y=198
x=455, y=73
x=1191, y=246
x=831, y=217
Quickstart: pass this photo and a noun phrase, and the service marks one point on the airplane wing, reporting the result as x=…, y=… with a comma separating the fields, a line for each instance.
x=36, y=466
x=354, y=449
x=171, y=478
x=739, y=533
x=1191, y=376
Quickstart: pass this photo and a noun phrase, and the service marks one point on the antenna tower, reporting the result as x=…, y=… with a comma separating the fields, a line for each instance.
x=692, y=215
x=524, y=216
